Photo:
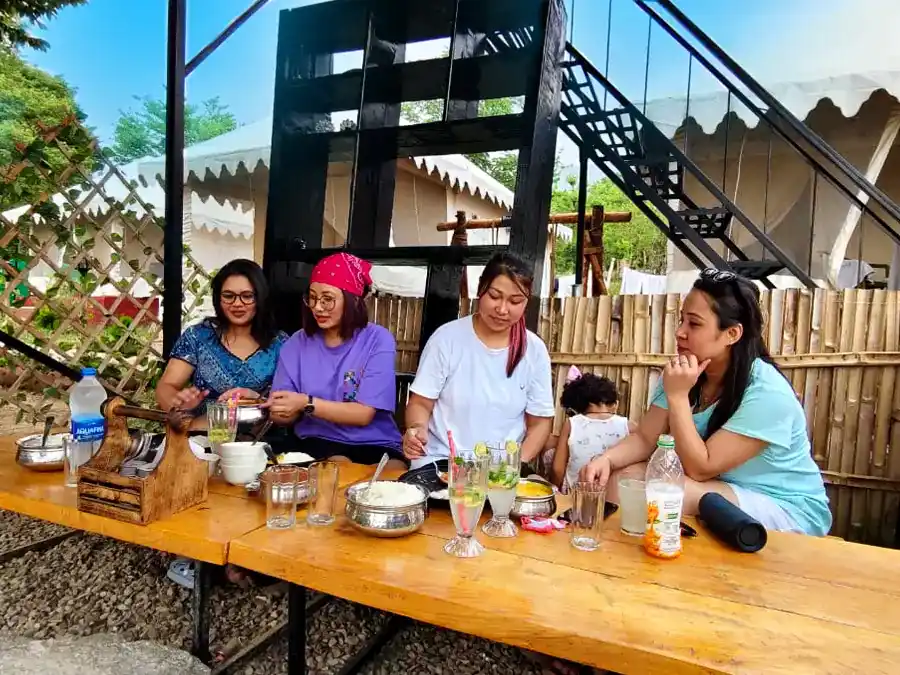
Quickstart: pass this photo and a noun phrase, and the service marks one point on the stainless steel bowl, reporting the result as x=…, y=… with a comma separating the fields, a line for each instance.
x=385, y=521
x=534, y=507
x=31, y=455
x=250, y=414
x=283, y=494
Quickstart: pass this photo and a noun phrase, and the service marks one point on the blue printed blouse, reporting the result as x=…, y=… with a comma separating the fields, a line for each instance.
x=218, y=370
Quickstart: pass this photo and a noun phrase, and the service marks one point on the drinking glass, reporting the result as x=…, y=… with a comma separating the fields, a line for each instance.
x=70, y=462
x=467, y=488
x=587, y=515
x=633, y=505
x=280, y=486
x=323, y=487
x=221, y=425
x=503, y=479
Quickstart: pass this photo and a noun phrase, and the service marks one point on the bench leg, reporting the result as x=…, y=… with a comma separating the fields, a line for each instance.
x=200, y=611
x=296, y=630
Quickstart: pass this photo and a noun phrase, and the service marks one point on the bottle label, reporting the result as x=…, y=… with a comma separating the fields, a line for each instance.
x=88, y=429
x=663, y=535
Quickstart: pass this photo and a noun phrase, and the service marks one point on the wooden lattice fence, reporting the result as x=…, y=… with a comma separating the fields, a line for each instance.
x=80, y=276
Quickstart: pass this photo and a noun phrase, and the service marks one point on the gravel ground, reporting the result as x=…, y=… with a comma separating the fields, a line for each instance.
x=16, y=530
x=88, y=584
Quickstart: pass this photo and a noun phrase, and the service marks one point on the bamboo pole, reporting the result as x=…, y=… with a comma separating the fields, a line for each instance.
x=863, y=502
x=554, y=219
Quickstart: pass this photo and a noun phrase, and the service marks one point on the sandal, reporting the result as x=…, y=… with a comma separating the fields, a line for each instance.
x=182, y=571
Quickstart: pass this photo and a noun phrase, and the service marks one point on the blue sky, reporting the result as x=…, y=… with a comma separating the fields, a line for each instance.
x=112, y=50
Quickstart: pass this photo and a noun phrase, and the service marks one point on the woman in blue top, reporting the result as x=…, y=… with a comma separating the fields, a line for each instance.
x=738, y=426
x=235, y=352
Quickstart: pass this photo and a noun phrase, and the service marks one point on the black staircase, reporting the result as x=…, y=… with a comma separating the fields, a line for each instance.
x=650, y=169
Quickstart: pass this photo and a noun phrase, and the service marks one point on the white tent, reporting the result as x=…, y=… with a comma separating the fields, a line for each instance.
x=857, y=114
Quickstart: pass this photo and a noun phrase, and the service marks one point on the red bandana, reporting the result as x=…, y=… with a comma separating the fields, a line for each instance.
x=343, y=271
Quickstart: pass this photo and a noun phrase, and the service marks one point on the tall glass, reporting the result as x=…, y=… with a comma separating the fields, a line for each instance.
x=221, y=425
x=280, y=486
x=70, y=461
x=633, y=505
x=587, y=515
x=323, y=488
x=503, y=479
x=467, y=487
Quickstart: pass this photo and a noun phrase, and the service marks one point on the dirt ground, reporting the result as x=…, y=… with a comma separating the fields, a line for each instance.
x=8, y=412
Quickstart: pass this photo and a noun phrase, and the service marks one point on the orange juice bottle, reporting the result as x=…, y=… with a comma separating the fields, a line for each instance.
x=665, y=497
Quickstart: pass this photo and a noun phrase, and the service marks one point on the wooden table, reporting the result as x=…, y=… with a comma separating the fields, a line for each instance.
x=202, y=533
x=802, y=605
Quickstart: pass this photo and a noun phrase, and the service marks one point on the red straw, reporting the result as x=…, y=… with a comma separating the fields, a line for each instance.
x=451, y=444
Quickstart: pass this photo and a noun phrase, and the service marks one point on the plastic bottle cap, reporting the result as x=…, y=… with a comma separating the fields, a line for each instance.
x=666, y=440
x=88, y=372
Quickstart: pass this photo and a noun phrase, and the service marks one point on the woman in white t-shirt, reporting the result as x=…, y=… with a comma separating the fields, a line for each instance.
x=484, y=377
x=592, y=428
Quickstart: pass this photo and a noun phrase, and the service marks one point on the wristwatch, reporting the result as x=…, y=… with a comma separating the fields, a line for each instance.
x=310, y=408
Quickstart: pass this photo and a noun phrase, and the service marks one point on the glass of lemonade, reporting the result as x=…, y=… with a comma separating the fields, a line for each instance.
x=467, y=487
x=503, y=478
x=633, y=505
x=221, y=425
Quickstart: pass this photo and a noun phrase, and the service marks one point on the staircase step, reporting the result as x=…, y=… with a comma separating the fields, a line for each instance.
x=758, y=270
x=708, y=223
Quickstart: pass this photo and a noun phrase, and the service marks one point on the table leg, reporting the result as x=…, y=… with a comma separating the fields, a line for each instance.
x=200, y=611
x=296, y=630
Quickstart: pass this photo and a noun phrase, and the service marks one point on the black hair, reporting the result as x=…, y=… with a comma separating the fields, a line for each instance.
x=507, y=265
x=580, y=393
x=262, y=327
x=354, y=317
x=734, y=300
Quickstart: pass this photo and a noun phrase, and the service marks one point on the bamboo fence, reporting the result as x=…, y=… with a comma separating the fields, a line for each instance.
x=841, y=352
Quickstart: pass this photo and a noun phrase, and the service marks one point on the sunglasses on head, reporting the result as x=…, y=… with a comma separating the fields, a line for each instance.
x=717, y=276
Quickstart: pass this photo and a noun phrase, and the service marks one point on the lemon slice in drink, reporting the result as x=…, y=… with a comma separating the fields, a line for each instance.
x=481, y=450
x=511, y=447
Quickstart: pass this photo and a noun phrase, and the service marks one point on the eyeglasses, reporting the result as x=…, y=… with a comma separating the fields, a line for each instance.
x=246, y=298
x=326, y=301
x=717, y=276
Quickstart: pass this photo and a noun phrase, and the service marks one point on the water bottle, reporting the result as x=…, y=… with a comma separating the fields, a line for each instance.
x=665, y=497
x=88, y=425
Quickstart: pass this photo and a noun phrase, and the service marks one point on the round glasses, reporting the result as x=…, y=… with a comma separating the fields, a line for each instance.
x=326, y=301
x=246, y=298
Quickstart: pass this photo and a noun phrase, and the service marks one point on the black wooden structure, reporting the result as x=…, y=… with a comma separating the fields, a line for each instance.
x=498, y=48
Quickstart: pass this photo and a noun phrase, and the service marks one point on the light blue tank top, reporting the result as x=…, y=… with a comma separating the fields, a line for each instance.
x=784, y=470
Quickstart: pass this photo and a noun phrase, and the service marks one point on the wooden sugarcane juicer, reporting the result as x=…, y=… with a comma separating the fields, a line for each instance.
x=173, y=482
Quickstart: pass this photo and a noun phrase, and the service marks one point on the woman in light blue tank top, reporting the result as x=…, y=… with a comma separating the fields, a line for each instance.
x=739, y=428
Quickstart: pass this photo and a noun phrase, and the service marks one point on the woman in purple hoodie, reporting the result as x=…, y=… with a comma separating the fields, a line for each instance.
x=335, y=380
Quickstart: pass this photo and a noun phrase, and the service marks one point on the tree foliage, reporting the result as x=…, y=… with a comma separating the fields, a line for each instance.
x=17, y=16
x=637, y=243
x=32, y=100
x=142, y=132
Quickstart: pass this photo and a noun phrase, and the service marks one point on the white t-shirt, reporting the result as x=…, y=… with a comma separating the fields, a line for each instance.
x=589, y=437
x=473, y=396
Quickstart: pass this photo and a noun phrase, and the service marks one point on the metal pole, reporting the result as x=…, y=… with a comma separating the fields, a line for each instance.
x=582, y=206
x=173, y=242
x=224, y=35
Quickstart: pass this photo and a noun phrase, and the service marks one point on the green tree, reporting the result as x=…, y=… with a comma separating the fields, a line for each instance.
x=638, y=243
x=17, y=16
x=142, y=132
x=30, y=98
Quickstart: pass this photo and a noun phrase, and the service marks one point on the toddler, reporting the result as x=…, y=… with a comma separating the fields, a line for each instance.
x=592, y=427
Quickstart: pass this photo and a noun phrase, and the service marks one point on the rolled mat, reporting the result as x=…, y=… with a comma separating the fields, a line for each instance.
x=731, y=525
